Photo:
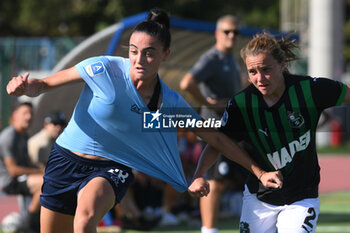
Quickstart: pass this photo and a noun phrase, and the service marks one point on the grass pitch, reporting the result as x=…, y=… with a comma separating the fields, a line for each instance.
x=334, y=217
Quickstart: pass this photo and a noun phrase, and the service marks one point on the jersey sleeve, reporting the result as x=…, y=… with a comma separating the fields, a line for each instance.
x=232, y=122
x=97, y=74
x=327, y=92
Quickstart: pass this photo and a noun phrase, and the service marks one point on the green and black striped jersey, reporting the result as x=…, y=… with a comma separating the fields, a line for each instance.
x=282, y=136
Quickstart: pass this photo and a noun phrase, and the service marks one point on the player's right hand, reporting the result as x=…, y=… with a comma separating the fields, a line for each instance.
x=199, y=187
x=18, y=85
x=272, y=179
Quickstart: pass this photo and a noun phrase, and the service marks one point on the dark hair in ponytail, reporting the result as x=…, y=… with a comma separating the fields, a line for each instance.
x=157, y=24
x=160, y=16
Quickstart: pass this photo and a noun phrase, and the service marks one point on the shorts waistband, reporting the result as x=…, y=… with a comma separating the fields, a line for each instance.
x=90, y=162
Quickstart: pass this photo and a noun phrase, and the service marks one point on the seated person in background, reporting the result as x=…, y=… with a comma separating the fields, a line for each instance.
x=141, y=207
x=181, y=207
x=39, y=145
x=190, y=149
x=17, y=175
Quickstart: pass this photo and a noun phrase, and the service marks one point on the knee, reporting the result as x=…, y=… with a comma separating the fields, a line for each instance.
x=35, y=183
x=84, y=222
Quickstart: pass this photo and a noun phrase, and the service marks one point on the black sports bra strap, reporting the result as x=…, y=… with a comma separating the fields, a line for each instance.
x=153, y=103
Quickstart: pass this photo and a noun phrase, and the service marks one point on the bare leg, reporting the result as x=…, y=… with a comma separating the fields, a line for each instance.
x=54, y=222
x=34, y=183
x=209, y=205
x=129, y=207
x=31, y=219
x=94, y=201
x=34, y=206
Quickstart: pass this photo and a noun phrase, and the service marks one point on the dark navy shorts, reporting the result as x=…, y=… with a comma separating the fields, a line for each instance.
x=67, y=173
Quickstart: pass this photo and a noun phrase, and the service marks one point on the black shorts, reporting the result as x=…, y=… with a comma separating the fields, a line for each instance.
x=223, y=168
x=67, y=173
x=226, y=169
x=18, y=186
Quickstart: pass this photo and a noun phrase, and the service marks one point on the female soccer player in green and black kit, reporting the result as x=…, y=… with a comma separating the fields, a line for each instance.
x=277, y=115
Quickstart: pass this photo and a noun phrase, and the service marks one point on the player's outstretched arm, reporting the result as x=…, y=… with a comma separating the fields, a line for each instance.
x=200, y=187
x=219, y=142
x=22, y=85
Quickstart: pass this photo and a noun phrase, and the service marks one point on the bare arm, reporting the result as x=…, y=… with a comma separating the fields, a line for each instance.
x=191, y=86
x=21, y=85
x=219, y=142
x=15, y=170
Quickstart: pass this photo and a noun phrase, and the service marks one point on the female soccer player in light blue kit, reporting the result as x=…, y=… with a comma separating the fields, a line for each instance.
x=89, y=168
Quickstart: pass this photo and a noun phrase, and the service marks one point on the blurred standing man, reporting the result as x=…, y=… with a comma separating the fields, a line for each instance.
x=17, y=175
x=39, y=145
x=211, y=82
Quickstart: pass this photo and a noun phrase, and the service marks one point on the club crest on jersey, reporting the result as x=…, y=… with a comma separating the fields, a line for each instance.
x=296, y=120
x=95, y=68
x=224, y=118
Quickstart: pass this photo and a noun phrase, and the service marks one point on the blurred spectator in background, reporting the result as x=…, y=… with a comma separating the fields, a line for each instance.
x=39, y=145
x=180, y=207
x=17, y=175
x=211, y=82
x=141, y=207
x=190, y=150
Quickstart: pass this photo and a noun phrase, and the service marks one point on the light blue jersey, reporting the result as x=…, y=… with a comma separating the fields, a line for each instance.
x=107, y=122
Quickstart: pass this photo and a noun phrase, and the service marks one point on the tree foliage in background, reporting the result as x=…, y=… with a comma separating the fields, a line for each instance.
x=347, y=34
x=56, y=17
x=85, y=17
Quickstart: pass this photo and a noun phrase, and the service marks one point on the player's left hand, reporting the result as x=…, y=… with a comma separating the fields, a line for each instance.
x=199, y=187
